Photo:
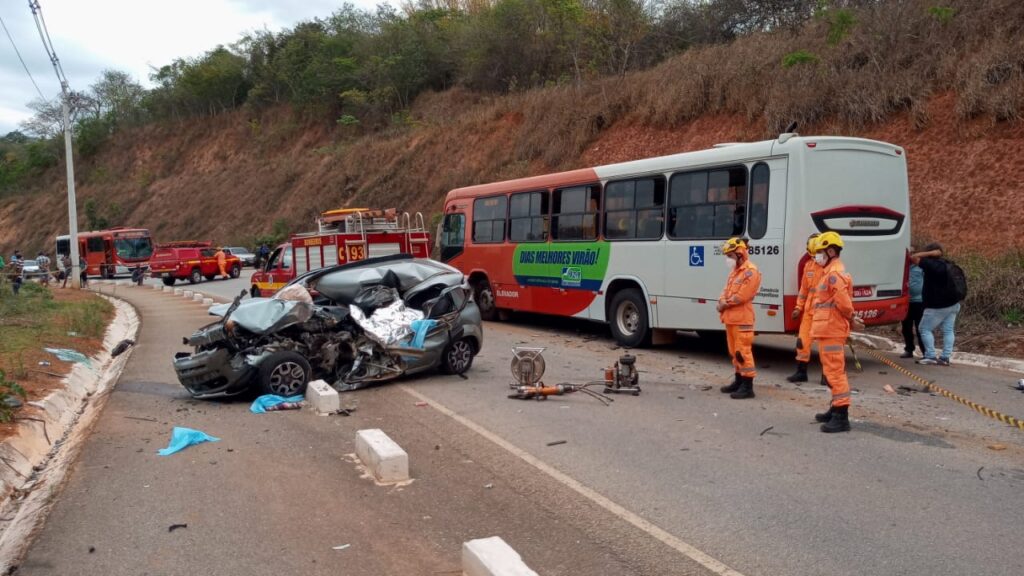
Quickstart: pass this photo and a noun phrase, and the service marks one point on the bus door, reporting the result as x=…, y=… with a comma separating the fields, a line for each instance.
x=705, y=208
x=766, y=229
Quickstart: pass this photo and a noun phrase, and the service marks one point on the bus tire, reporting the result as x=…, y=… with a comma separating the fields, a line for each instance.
x=627, y=316
x=254, y=291
x=483, y=294
x=168, y=281
x=195, y=277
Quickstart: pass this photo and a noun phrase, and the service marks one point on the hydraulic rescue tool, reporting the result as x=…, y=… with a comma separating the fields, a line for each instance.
x=528, y=368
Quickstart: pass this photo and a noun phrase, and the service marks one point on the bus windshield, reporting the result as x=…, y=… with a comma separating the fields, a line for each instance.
x=133, y=248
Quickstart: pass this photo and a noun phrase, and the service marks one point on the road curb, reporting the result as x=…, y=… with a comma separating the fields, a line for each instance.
x=964, y=358
x=39, y=456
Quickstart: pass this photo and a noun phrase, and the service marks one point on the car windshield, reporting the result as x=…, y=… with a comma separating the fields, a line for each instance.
x=30, y=263
x=234, y=250
x=133, y=248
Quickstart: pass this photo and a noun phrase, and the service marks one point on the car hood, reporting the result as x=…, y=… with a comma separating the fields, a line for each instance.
x=266, y=315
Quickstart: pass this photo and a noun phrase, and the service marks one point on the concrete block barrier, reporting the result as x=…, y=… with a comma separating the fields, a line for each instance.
x=322, y=398
x=198, y=296
x=207, y=301
x=168, y=288
x=382, y=456
x=492, y=557
x=158, y=286
x=178, y=291
x=187, y=293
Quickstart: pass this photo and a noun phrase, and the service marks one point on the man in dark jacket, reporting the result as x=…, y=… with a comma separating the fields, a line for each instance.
x=941, y=304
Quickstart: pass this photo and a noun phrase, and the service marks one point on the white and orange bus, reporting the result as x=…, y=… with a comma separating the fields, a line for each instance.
x=110, y=252
x=636, y=244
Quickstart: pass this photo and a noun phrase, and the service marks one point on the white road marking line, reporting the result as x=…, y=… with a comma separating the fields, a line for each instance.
x=668, y=539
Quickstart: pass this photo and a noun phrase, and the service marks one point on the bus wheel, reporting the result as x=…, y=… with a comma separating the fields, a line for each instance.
x=254, y=292
x=168, y=281
x=484, y=296
x=195, y=277
x=628, y=320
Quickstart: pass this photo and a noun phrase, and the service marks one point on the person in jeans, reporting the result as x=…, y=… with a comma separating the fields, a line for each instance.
x=941, y=304
x=912, y=322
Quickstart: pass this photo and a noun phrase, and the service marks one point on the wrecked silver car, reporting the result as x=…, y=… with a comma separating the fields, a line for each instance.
x=351, y=325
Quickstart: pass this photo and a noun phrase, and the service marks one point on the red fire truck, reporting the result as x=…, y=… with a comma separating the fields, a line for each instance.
x=110, y=252
x=344, y=235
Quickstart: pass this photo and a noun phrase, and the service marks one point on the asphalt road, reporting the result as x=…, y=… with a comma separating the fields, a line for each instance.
x=915, y=489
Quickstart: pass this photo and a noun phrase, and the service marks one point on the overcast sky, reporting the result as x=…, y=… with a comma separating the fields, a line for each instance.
x=130, y=35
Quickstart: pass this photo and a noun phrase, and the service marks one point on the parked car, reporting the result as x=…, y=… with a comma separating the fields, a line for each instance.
x=244, y=255
x=30, y=269
x=190, y=261
x=352, y=325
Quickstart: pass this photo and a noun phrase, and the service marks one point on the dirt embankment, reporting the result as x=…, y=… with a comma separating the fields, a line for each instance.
x=230, y=177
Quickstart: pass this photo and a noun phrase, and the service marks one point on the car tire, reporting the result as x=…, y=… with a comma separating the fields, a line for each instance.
x=195, y=277
x=628, y=319
x=254, y=292
x=483, y=295
x=458, y=356
x=235, y=271
x=168, y=281
x=284, y=373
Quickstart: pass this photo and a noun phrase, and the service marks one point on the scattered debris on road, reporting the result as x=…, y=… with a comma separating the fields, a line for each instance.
x=421, y=404
x=765, y=431
x=488, y=486
x=141, y=418
x=889, y=389
x=69, y=355
x=122, y=347
x=272, y=402
x=557, y=442
x=182, y=438
x=92, y=549
x=997, y=447
x=979, y=473
x=342, y=547
x=174, y=527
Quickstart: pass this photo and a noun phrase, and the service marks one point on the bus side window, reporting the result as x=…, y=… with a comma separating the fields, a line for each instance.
x=759, y=184
x=94, y=244
x=574, y=213
x=528, y=216
x=708, y=204
x=489, y=219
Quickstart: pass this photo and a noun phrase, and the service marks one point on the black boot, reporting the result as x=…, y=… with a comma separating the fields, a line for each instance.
x=801, y=373
x=840, y=421
x=746, y=389
x=824, y=381
x=729, y=389
x=824, y=416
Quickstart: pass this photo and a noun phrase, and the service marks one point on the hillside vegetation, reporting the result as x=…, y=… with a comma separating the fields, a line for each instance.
x=318, y=116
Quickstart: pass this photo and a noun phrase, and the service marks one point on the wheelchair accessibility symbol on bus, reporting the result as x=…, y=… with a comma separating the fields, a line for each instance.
x=697, y=256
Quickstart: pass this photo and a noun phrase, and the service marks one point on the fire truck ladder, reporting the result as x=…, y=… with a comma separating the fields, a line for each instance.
x=421, y=226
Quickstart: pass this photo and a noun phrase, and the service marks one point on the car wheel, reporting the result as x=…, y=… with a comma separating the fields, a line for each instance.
x=168, y=281
x=195, y=277
x=254, y=292
x=236, y=271
x=458, y=357
x=628, y=319
x=284, y=373
x=483, y=294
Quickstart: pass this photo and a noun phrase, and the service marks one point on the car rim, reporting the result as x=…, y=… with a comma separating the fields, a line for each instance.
x=460, y=355
x=628, y=318
x=287, y=378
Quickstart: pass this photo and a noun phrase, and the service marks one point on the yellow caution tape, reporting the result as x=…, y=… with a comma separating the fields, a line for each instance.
x=932, y=386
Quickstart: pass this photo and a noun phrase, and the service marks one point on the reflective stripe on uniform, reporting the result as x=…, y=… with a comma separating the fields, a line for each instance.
x=833, y=348
x=843, y=395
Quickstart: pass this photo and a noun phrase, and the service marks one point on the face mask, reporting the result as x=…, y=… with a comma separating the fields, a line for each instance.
x=821, y=259
x=730, y=262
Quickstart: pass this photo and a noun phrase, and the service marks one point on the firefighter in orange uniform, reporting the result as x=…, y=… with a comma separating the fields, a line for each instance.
x=805, y=306
x=222, y=262
x=833, y=317
x=736, y=309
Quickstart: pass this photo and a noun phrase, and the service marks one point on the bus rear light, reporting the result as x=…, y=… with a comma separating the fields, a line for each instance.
x=863, y=291
x=812, y=144
x=899, y=152
x=701, y=301
x=773, y=312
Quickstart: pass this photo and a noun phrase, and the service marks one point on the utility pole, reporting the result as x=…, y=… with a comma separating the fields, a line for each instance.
x=72, y=205
x=44, y=35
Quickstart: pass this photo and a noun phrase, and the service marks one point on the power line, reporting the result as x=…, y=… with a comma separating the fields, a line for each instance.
x=44, y=35
x=16, y=51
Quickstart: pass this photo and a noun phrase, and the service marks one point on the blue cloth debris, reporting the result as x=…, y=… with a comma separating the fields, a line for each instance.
x=419, y=332
x=182, y=438
x=68, y=355
x=260, y=405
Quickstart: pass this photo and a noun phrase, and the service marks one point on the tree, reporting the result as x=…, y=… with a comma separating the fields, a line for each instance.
x=119, y=95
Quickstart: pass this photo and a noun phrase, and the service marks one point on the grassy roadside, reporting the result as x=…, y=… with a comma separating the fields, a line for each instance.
x=38, y=318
